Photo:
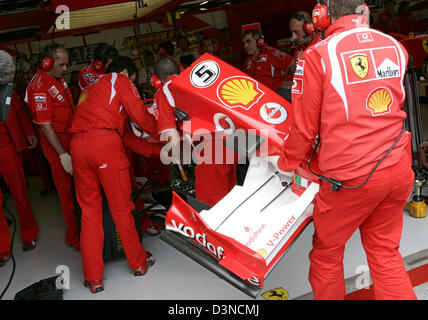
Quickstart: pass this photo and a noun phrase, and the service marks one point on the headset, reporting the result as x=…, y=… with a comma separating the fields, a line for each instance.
x=321, y=15
x=260, y=40
x=162, y=51
x=103, y=52
x=308, y=25
x=156, y=83
x=48, y=53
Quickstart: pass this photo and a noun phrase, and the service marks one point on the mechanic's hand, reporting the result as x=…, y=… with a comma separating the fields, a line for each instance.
x=32, y=140
x=66, y=163
x=273, y=160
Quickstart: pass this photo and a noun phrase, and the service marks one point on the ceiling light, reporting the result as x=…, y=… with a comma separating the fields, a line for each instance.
x=205, y=2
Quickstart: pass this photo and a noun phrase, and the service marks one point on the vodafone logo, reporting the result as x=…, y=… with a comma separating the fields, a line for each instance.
x=223, y=123
x=201, y=238
x=273, y=113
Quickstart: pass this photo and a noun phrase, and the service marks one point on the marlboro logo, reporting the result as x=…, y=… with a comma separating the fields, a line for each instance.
x=239, y=92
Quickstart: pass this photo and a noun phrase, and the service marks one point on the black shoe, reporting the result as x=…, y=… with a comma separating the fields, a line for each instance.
x=3, y=258
x=29, y=245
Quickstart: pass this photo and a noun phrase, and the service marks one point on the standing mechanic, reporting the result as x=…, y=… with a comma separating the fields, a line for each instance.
x=103, y=56
x=303, y=34
x=51, y=105
x=350, y=94
x=100, y=160
x=16, y=135
x=265, y=64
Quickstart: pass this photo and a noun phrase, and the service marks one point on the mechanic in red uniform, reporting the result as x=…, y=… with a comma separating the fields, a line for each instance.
x=100, y=160
x=16, y=135
x=303, y=34
x=350, y=94
x=103, y=56
x=265, y=64
x=212, y=180
x=51, y=105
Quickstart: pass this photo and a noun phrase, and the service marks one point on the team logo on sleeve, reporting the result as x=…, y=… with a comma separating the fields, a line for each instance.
x=300, y=68
x=360, y=65
x=379, y=101
x=53, y=91
x=40, y=102
x=297, y=87
x=239, y=92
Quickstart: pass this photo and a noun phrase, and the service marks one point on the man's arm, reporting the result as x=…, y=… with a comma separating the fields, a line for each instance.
x=307, y=101
x=52, y=138
x=281, y=60
x=134, y=106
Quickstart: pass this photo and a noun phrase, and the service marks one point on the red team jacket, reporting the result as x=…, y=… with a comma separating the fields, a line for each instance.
x=49, y=100
x=17, y=127
x=108, y=104
x=268, y=66
x=348, y=89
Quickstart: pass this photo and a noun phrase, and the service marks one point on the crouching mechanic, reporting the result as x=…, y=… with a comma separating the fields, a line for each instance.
x=212, y=180
x=99, y=160
x=354, y=105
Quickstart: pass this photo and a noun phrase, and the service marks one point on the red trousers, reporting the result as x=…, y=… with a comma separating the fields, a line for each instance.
x=5, y=240
x=13, y=174
x=100, y=160
x=63, y=182
x=376, y=209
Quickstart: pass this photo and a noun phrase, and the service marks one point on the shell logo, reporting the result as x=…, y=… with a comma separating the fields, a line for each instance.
x=239, y=92
x=379, y=101
x=262, y=252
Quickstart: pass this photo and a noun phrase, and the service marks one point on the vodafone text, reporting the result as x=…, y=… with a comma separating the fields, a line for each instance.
x=201, y=238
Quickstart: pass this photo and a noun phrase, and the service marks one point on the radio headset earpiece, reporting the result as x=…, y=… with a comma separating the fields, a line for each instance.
x=260, y=40
x=103, y=53
x=98, y=65
x=156, y=83
x=364, y=11
x=162, y=51
x=321, y=15
x=308, y=25
x=48, y=53
x=47, y=63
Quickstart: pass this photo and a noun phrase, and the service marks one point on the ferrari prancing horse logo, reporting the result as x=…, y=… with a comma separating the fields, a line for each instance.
x=360, y=65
